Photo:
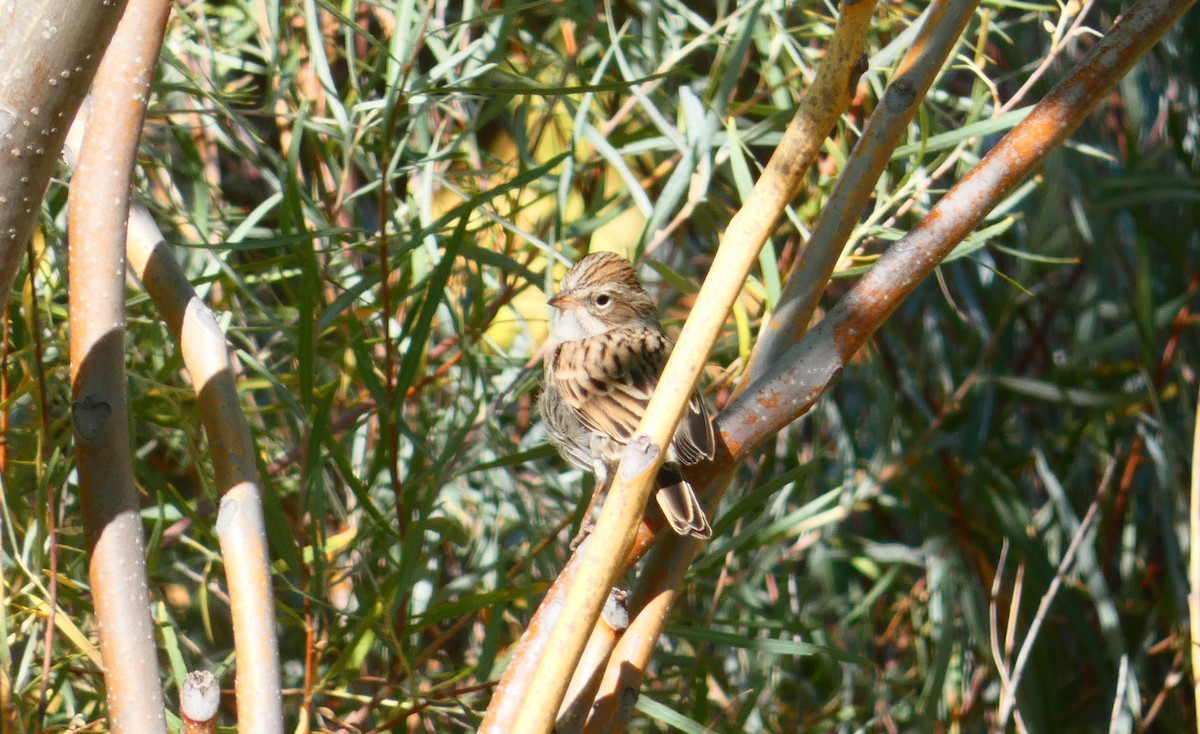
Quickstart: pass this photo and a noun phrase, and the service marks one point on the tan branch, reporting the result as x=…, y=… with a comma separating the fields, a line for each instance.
x=742, y=423
x=811, y=272
x=240, y=525
x=658, y=583
x=98, y=206
x=603, y=556
x=793, y=381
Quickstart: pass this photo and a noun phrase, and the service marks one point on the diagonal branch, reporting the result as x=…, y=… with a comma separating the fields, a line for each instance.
x=811, y=271
x=791, y=383
x=589, y=578
x=788, y=390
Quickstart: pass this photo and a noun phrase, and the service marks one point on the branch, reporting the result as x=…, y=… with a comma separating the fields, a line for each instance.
x=811, y=271
x=603, y=556
x=786, y=393
x=49, y=52
x=791, y=383
x=98, y=206
x=240, y=525
x=1193, y=598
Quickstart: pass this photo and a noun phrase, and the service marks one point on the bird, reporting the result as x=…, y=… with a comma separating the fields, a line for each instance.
x=603, y=359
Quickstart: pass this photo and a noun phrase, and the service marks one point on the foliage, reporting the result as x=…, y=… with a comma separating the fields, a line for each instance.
x=375, y=200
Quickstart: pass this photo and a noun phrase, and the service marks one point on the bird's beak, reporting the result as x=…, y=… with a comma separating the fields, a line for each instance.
x=562, y=300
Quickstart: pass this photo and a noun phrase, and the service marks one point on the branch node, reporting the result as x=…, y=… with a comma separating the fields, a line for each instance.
x=900, y=94
x=639, y=454
x=227, y=515
x=89, y=416
x=616, y=613
x=200, y=696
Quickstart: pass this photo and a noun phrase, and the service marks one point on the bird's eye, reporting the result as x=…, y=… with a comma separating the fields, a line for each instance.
x=603, y=300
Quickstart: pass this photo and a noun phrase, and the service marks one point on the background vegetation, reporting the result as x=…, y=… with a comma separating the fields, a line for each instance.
x=1039, y=391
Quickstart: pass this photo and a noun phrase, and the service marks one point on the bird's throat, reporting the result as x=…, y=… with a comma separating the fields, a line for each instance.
x=575, y=324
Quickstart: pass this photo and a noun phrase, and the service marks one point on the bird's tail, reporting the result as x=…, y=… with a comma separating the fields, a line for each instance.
x=680, y=506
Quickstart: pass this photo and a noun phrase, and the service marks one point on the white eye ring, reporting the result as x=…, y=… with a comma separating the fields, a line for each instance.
x=603, y=300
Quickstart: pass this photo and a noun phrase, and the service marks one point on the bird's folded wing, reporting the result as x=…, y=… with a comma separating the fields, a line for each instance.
x=608, y=379
x=694, y=440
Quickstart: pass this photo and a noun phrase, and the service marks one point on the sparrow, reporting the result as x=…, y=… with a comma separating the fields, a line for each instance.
x=603, y=359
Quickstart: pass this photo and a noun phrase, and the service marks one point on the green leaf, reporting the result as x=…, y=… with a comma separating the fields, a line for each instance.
x=768, y=644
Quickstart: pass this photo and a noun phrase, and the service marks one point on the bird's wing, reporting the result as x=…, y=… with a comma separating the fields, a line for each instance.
x=694, y=440
x=608, y=379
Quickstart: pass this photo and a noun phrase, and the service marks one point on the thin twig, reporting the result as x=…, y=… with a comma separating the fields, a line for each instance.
x=1008, y=696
